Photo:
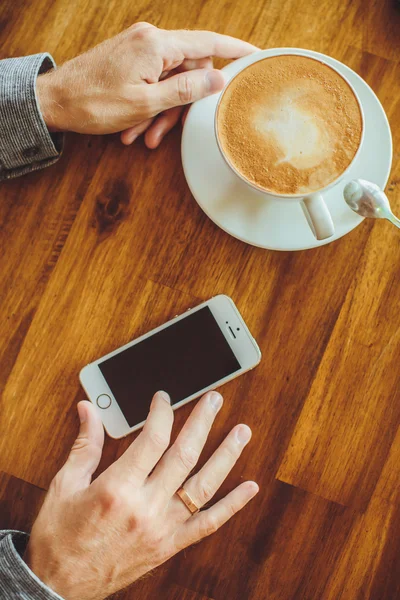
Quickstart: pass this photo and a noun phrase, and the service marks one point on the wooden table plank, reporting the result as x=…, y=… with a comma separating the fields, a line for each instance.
x=353, y=409
x=36, y=214
x=19, y=503
x=370, y=560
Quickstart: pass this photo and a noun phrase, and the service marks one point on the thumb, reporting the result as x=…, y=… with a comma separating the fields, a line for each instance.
x=86, y=451
x=187, y=87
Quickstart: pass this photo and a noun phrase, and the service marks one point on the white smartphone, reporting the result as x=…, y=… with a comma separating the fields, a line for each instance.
x=191, y=354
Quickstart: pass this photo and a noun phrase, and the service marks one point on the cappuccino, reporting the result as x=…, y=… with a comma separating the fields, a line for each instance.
x=289, y=124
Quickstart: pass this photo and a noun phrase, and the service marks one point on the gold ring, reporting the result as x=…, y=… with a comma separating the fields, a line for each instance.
x=187, y=500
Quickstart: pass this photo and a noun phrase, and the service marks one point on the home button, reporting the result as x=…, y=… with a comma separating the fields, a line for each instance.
x=103, y=401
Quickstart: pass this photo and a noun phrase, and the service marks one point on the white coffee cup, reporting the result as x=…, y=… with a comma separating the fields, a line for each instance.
x=313, y=204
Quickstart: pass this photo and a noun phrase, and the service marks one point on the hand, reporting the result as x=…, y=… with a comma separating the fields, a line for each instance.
x=92, y=539
x=123, y=83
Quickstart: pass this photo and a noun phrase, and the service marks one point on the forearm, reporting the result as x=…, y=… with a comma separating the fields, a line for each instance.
x=16, y=579
x=25, y=142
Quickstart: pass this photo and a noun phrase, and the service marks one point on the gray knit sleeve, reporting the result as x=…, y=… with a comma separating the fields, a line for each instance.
x=16, y=578
x=25, y=142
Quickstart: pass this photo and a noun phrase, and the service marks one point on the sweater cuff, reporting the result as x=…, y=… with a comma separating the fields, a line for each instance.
x=25, y=142
x=16, y=578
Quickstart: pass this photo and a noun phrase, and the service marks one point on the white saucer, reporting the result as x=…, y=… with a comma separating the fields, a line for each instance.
x=246, y=213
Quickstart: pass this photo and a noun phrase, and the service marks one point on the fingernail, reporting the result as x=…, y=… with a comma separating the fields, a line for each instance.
x=82, y=414
x=165, y=396
x=132, y=138
x=157, y=139
x=214, y=82
x=216, y=400
x=243, y=434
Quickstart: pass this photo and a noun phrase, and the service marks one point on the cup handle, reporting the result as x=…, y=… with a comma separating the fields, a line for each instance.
x=318, y=216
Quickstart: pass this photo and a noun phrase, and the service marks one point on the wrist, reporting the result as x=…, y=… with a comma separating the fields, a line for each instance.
x=60, y=574
x=44, y=571
x=51, y=100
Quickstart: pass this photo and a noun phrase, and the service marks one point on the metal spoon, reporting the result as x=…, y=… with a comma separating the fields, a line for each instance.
x=368, y=200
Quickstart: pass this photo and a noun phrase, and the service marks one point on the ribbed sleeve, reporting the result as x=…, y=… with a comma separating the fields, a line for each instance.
x=25, y=142
x=16, y=578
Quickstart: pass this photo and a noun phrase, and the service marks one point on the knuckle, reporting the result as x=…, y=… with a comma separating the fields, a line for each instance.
x=133, y=523
x=188, y=457
x=159, y=440
x=185, y=89
x=208, y=526
x=111, y=497
x=230, y=510
x=206, y=492
x=147, y=34
x=231, y=452
x=80, y=443
x=141, y=521
x=140, y=25
x=83, y=446
x=144, y=521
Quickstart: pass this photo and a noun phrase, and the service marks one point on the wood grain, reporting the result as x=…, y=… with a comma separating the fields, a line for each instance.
x=19, y=503
x=108, y=243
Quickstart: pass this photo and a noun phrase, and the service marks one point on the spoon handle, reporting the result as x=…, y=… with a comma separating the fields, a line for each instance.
x=394, y=220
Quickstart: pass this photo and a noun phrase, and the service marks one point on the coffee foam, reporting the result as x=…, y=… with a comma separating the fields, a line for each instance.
x=289, y=124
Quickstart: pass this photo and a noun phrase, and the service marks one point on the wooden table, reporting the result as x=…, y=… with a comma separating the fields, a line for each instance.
x=109, y=243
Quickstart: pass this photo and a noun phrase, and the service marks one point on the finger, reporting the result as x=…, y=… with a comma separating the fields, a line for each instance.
x=209, y=521
x=167, y=121
x=132, y=133
x=85, y=454
x=161, y=126
x=165, y=74
x=183, y=455
x=198, y=44
x=202, y=486
x=144, y=453
x=200, y=63
x=185, y=88
x=188, y=65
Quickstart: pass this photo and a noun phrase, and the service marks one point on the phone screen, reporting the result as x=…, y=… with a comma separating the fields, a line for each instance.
x=181, y=359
